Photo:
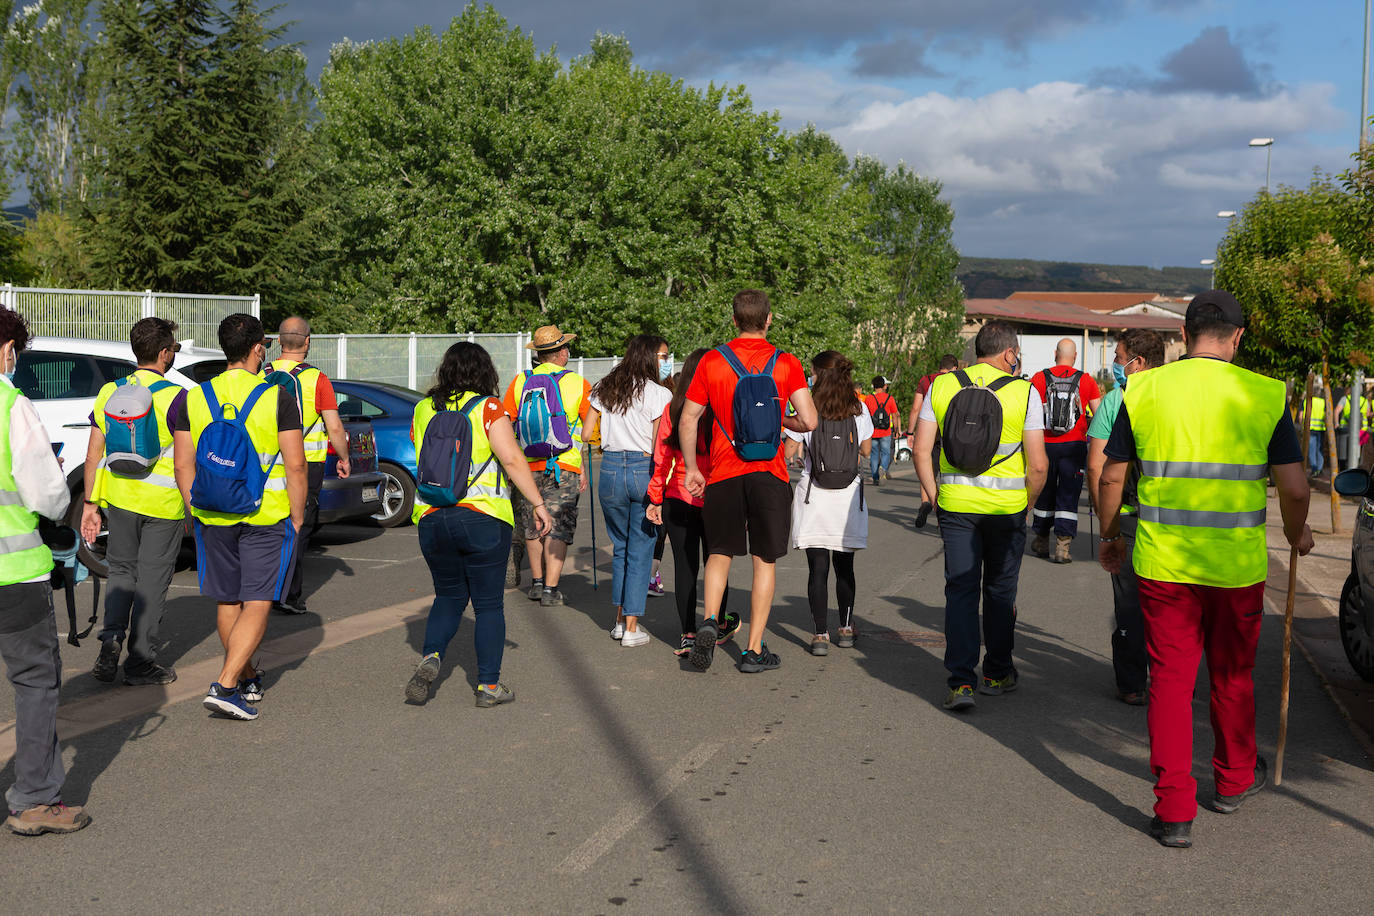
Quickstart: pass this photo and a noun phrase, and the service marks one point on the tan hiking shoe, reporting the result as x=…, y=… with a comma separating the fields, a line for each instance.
x=58, y=818
x=1040, y=546
x=1061, y=549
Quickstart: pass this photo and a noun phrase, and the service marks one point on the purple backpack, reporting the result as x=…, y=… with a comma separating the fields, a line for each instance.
x=541, y=423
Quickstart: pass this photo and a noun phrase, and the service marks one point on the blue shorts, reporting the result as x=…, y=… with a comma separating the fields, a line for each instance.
x=244, y=562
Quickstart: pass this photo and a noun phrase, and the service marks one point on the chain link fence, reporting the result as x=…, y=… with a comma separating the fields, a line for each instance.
x=95, y=314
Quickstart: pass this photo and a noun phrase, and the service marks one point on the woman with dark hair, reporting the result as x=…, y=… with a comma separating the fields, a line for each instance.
x=629, y=401
x=679, y=512
x=829, y=518
x=465, y=534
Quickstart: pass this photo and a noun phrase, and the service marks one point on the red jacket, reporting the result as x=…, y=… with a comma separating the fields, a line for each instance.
x=670, y=474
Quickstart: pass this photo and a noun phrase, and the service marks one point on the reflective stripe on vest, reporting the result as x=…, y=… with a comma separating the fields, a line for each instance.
x=312, y=422
x=233, y=388
x=23, y=555
x=155, y=495
x=1001, y=489
x=486, y=494
x=1204, y=463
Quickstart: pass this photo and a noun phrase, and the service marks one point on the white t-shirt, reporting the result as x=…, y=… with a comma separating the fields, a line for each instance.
x=633, y=431
x=1035, y=410
x=864, y=422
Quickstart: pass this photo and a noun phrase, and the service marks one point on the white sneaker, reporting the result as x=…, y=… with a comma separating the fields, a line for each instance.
x=638, y=637
x=618, y=630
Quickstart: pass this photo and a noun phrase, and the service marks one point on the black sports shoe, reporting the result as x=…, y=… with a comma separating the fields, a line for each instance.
x=752, y=662
x=1227, y=804
x=729, y=627
x=705, y=645
x=153, y=674
x=296, y=606
x=924, y=514
x=107, y=661
x=550, y=597
x=1174, y=834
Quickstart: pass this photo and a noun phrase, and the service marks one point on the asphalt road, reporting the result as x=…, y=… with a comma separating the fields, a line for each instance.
x=623, y=781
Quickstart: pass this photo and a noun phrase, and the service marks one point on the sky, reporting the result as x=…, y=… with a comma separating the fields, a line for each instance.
x=1077, y=130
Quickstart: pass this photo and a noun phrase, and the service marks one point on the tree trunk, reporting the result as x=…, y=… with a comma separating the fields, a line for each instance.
x=1331, y=449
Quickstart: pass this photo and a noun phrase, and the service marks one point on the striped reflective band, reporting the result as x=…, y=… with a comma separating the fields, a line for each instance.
x=987, y=483
x=17, y=542
x=316, y=446
x=158, y=480
x=1204, y=470
x=1199, y=518
x=275, y=483
x=1045, y=513
x=10, y=498
x=1008, y=449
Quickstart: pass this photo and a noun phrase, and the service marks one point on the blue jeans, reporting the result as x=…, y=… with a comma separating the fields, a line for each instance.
x=624, y=493
x=982, y=555
x=1316, y=450
x=466, y=552
x=880, y=459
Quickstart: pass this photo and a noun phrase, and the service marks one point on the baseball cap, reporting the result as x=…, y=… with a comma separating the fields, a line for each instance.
x=1231, y=311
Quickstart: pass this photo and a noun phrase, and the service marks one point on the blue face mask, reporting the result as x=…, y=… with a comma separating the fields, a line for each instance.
x=9, y=373
x=665, y=369
x=1119, y=374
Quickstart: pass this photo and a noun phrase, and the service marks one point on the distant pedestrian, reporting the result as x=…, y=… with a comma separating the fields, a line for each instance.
x=319, y=409
x=240, y=463
x=747, y=384
x=1069, y=395
x=32, y=485
x=1316, y=431
x=1343, y=427
x=1200, y=549
x=656, y=589
x=549, y=405
x=463, y=514
x=992, y=463
x=829, y=516
x=1138, y=350
x=679, y=512
x=627, y=405
x=948, y=363
x=129, y=474
x=882, y=412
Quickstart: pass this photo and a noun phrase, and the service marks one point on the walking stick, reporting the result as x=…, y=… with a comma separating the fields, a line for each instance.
x=591, y=494
x=1287, y=654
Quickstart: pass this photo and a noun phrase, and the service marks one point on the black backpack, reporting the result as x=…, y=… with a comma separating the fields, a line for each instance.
x=1063, y=406
x=834, y=454
x=881, y=418
x=973, y=425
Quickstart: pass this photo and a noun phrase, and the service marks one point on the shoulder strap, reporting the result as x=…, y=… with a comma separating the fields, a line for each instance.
x=161, y=385
x=248, y=405
x=212, y=400
x=772, y=361
x=962, y=377
x=999, y=384
x=297, y=369
x=1049, y=378
x=467, y=408
x=732, y=360
x=1077, y=377
x=126, y=380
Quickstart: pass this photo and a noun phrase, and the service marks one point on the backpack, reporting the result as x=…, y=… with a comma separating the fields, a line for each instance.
x=229, y=475
x=541, y=424
x=290, y=379
x=973, y=425
x=834, y=454
x=444, y=463
x=758, y=421
x=1063, y=405
x=881, y=418
x=132, y=445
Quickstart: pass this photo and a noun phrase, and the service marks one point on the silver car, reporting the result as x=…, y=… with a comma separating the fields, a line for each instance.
x=1357, y=597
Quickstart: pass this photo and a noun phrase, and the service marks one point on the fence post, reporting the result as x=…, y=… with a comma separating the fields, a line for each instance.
x=581, y=367
x=149, y=304
x=257, y=305
x=7, y=297
x=519, y=348
x=472, y=337
x=414, y=357
x=342, y=367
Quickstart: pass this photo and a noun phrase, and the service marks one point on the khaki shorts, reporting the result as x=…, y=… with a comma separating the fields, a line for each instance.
x=560, y=498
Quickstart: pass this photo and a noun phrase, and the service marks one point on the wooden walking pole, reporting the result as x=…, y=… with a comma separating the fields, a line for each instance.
x=1287, y=655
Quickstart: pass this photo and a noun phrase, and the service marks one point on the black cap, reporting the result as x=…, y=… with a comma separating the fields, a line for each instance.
x=1231, y=311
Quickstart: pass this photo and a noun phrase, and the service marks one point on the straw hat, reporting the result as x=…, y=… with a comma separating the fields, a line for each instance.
x=549, y=338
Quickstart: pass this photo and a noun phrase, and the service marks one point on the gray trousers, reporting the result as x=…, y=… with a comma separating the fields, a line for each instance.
x=142, y=554
x=33, y=663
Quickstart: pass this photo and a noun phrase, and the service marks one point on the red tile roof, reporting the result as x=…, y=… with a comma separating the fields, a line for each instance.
x=1063, y=314
x=1098, y=302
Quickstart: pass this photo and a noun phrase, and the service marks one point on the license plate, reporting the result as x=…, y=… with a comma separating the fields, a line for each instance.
x=371, y=496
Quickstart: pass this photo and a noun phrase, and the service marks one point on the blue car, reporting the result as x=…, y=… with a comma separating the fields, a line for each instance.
x=390, y=409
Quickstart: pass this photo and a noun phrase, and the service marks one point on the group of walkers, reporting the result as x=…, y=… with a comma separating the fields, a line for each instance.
x=1177, y=480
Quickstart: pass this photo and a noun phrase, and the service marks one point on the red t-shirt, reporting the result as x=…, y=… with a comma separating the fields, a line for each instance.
x=923, y=386
x=714, y=385
x=1087, y=391
x=890, y=405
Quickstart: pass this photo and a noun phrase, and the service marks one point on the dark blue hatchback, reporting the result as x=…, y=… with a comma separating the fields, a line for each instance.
x=390, y=409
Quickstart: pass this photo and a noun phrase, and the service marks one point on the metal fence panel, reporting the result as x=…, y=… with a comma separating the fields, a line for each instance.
x=93, y=314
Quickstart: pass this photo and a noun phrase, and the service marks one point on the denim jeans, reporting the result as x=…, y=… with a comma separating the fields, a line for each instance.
x=880, y=458
x=1316, y=450
x=466, y=552
x=624, y=493
x=982, y=555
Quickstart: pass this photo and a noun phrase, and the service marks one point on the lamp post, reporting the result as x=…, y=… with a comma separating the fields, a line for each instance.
x=1268, y=144
x=1212, y=263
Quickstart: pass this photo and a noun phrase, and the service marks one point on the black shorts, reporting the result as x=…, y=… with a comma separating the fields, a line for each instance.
x=755, y=507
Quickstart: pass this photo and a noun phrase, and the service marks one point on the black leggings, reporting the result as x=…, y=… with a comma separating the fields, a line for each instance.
x=688, y=538
x=818, y=561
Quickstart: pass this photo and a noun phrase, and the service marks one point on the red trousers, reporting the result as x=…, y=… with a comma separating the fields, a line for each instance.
x=1181, y=623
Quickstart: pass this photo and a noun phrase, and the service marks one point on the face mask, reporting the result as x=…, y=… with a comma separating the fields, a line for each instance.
x=9, y=373
x=1119, y=374
x=665, y=369
x=1015, y=365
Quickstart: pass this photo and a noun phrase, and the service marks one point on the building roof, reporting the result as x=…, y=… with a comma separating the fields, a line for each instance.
x=1098, y=302
x=1064, y=314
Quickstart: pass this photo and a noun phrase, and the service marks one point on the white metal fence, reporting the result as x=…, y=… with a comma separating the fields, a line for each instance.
x=97, y=314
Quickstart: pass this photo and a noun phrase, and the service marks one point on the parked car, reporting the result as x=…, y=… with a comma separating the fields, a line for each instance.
x=390, y=409
x=1356, y=614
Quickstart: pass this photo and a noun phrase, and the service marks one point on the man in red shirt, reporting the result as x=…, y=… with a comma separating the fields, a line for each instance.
x=754, y=492
x=883, y=409
x=1069, y=396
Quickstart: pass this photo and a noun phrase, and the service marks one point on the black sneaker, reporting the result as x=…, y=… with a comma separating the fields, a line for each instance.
x=752, y=662
x=705, y=645
x=550, y=597
x=153, y=674
x=923, y=514
x=296, y=606
x=1174, y=834
x=107, y=661
x=728, y=628
x=536, y=590
x=1227, y=804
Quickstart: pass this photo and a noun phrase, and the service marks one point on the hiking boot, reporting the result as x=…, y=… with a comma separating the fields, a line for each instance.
x=705, y=645
x=656, y=586
x=536, y=590
x=688, y=640
x=250, y=688
x=820, y=644
x=494, y=696
x=751, y=662
x=960, y=697
x=551, y=597
x=229, y=703
x=1174, y=834
x=40, y=819
x=1062, y=546
x=996, y=686
x=845, y=638
x=417, y=688
x=153, y=674
x=1040, y=546
x=727, y=629
x=1227, y=804
x=107, y=661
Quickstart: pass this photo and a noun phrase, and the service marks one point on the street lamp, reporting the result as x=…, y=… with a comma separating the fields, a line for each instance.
x=1268, y=144
x=1226, y=214
x=1212, y=263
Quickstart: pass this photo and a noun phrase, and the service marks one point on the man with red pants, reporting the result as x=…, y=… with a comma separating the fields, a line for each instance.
x=1200, y=551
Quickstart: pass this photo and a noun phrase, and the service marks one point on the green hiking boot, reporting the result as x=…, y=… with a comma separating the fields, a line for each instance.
x=996, y=686
x=960, y=697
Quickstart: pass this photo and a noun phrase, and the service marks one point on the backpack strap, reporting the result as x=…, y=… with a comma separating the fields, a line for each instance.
x=999, y=384
x=772, y=361
x=241, y=418
x=161, y=385
x=732, y=360
x=962, y=378
x=212, y=401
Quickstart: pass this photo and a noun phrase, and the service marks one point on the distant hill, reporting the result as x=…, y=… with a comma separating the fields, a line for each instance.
x=997, y=278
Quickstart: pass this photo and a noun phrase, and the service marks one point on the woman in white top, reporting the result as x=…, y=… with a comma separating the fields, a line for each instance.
x=829, y=518
x=629, y=401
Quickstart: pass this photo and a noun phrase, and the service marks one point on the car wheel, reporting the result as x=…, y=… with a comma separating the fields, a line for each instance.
x=92, y=556
x=398, y=496
x=1355, y=638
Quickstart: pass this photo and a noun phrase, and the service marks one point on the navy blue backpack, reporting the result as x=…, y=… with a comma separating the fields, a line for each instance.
x=757, y=416
x=229, y=474
x=444, y=463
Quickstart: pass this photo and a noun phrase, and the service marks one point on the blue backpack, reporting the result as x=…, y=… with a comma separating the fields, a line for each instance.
x=758, y=419
x=444, y=463
x=229, y=475
x=132, y=445
x=541, y=423
x=290, y=379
